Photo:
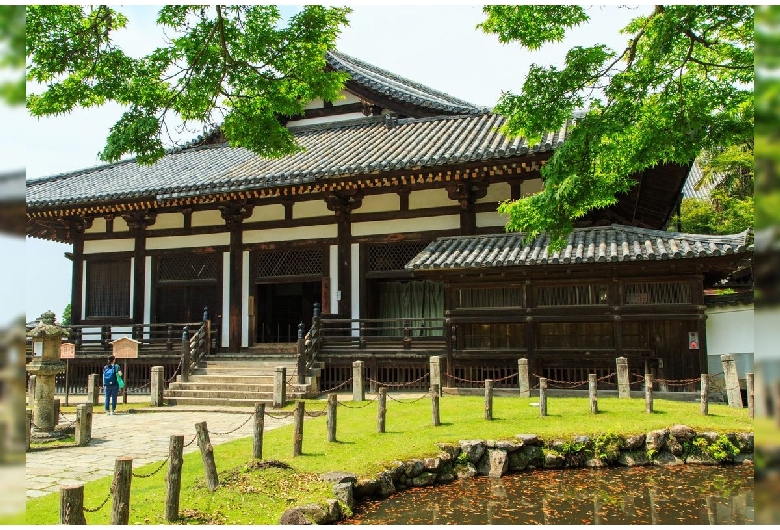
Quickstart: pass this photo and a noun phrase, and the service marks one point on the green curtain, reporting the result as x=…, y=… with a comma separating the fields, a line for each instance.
x=412, y=300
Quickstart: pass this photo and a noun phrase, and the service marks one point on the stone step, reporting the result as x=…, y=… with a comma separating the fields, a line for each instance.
x=221, y=394
x=242, y=387
x=216, y=402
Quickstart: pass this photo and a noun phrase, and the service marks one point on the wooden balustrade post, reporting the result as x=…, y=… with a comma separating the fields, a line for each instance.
x=333, y=403
x=750, y=395
x=185, y=355
x=435, y=405
x=123, y=475
x=593, y=393
x=489, y=399
x=301, y=356
x=542, y=396
x=382, y=411
x=705, y=394
x=298, y=432
x=173, y=478
x=72, y=505
x=259, y=427
x=207, y=455
x=649, y=393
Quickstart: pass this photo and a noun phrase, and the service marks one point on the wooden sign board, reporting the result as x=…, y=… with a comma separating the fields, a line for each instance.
x=125, y=348
x=67, y=350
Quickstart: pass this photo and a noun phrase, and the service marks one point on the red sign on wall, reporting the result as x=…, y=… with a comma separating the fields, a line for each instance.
x=693, y=340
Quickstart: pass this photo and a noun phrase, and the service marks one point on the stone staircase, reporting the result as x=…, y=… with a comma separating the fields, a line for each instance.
x=238, y=380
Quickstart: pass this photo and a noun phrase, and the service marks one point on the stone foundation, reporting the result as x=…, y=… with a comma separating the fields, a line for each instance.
x=678, y=445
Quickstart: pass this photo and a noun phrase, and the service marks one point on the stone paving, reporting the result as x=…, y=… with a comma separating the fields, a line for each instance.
x=143, y=435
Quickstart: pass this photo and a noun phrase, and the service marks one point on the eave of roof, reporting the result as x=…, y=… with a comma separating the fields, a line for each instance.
x=606, y=244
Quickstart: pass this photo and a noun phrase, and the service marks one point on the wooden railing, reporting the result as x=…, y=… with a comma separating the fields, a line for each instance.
x=381, y=333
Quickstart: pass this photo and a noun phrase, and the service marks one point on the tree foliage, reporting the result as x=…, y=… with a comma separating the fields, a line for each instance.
x=239, y=66
x=723, y=214
x=682, y=84
x=12, y=53
x=66, y=316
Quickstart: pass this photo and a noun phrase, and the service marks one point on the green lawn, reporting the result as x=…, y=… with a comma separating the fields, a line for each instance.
x=251, y=494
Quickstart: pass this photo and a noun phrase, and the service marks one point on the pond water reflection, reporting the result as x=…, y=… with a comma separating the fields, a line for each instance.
x=654, y=495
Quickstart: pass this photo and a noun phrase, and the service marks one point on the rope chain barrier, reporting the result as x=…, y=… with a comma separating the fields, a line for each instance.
x=398, y=385
x=192, y=441
x=234, y=430
x=155, y=471
x=409, y=402
x=341, y=403
x=111, y=491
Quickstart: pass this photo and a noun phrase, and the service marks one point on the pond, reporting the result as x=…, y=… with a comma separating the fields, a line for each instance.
x=637, y=495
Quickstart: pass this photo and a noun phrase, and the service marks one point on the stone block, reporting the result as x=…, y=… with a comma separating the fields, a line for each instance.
x=510, y=446
x=451, y=449
x=432, y=464
x=386, y=486
x=745, y=442
x=656, y=440
x=665, y=458
x=633, y=458
x=517, y=461
x=339, y=477
x=466, y=470
x=344, y=493
x=412, y=468
x=683, y=433
x=366, y=487
x=634, y=441
x=424, y=479
x=473, y=449
x=529, y=439
x=553, y=460
x=674, y=446
x=702, y=459
x=445, y=477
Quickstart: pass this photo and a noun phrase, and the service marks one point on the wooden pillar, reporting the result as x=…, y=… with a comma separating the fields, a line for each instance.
x=542, y=396
x=123, y=475
x=618, y=334
x=649, y=393
x=257, y=431
x=435, y=370
x=83, y=432
x=77, y=281
x=750, y=396
x=173, y=478
x=72, y=505
x=593, y=393
x=488, y=399
x=333, y=405
x=298, y=415
x=342, y=204
x=466, y=192
x=435, y=406
x=705, y=394
x=138, y=222
x=234, y=214
x=382, y=410
x=207, y=455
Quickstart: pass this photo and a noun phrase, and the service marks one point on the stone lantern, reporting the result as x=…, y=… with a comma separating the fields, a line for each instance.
x=46, y=364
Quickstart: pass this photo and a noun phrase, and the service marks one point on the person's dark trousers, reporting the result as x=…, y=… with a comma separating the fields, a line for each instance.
x=111, y=394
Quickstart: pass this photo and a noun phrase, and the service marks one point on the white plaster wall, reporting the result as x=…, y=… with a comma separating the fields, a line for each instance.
x=498, y=192
x=98, y=226
x=268, y=212
x=490, y=219
x=168, y=220
x=305, y=209
x=429, y=199
x=442, y=222
x=109, y=245
x=325, y=119
x=387, y=202
x=207, y=218
x=529, y=187
x=334, y=277
x=767, y=336
x=290, y=234
x=202, y=240
x=245, y=298
x=120, y=225
x=318, y=103
x=226, y=300
x=731, y=330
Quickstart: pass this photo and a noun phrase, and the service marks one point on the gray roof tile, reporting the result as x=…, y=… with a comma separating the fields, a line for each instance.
x=331, y=151
x=616, y=243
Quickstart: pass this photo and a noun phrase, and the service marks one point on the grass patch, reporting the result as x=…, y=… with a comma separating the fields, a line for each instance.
x=245, y=492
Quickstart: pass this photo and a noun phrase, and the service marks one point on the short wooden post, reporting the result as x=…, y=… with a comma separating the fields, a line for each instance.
x=750, y=395
x=185, y=356
x=435, y=405
x=280, y=387
x=173, y=478
x=705, y=394
x=523, y=382
x=775, y=389
x=542, y=396
x=649, y=393
x=257, y=431
x=333, y=405
x=93, y=389
x=83, y=432
x=382, y=411
x=72, y=505
x=435, y=369
x=123, y=475
x=733, y=393
x=28, y=417
x=298, y=433
x=488, y=399
x=358, y=390
x=624, y=388
x=207, y=454
x=593, y=393
x=31, y=391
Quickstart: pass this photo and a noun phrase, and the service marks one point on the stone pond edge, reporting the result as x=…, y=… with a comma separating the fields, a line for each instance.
x=676, y=445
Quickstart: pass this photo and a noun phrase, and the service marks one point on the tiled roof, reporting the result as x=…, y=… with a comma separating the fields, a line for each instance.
x=331, y=151
x=616, y=243
x=399, y=88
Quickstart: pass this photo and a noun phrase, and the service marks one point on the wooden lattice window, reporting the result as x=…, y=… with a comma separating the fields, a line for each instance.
x=658, y=293
x=108, y=288
x=275, y=263
x=392, y=257
x=493, y=336
x=576, y=335
x=482, y=298
x=562, y=295
x=188, y=267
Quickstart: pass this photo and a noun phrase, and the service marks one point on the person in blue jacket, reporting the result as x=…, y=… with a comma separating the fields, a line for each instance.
x=110, y=384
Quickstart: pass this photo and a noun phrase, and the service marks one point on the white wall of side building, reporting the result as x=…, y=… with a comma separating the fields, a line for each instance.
x=730, y=329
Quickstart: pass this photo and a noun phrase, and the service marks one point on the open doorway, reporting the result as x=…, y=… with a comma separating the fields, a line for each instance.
x=280, y=307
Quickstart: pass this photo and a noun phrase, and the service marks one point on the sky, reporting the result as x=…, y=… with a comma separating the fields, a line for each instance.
x=436, y=45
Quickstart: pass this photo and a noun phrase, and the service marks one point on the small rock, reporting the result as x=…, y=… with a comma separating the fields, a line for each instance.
x=367, y=487
x=518, y=461
x=510, y=446
x=412, y=468
x=424, y=479
x=633, y=459
x=665, y=458
x=294, y=516
x=675, y=447
x=582, y=440
x=635, y=441
x=553, y=460
x=656, y=440
x=745, y=442
x=473, y=449
x=339, y=477
x=466, y=470
x=710, y=436
x=432, y=464
x=446, y=477
x=451, y=449
x=595, y=463
x=702, y=459
x=386, y=486
x=529, y=439
x=682, y=432
x=344, y=492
